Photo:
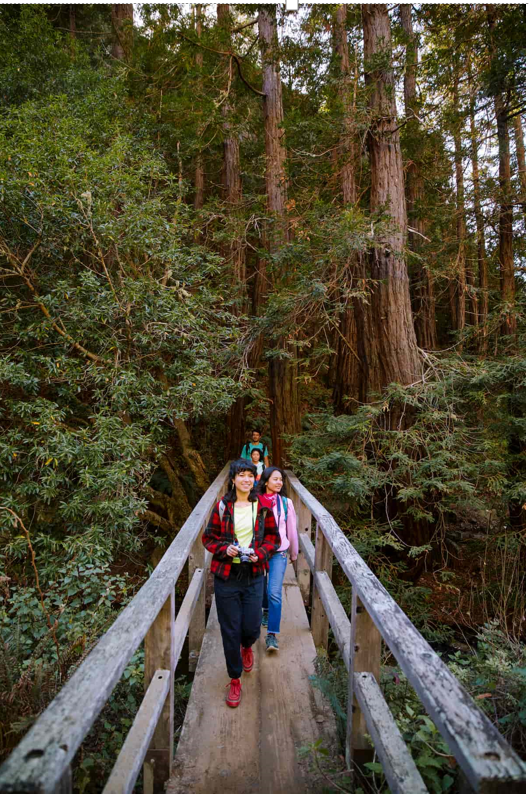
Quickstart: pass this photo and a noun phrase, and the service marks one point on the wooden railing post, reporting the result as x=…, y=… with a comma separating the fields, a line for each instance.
x=304, y=520
x=197, y=627
x=160, y=655
x=319, y=621
x=365, y=657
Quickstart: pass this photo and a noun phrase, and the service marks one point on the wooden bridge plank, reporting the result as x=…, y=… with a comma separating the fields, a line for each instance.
x=399, y=768
x=252, y=749
x=485, y=757
x=50, y=745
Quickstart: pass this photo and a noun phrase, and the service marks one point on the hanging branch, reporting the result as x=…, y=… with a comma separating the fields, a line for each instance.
x=19, y=268
x=225, y=53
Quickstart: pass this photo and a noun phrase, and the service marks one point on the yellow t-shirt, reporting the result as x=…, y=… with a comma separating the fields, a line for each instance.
x=244, y=521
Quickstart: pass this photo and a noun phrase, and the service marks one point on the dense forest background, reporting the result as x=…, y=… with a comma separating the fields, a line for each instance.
x=214, y=217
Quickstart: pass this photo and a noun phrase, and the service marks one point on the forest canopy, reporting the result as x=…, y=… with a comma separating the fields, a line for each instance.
x=215, y=217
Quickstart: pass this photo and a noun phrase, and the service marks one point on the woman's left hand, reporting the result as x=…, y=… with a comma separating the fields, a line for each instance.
x=254, y=557
x=293, y=558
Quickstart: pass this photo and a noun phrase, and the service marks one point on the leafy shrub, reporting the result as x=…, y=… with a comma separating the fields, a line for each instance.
x=493, y=674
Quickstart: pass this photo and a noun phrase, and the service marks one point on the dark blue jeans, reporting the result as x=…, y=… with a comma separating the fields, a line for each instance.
x=239, y=612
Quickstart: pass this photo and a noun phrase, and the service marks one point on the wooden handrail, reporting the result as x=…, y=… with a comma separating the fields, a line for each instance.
x=131, y=756
x=488, y=761
x=41, y=762
x=43, y=756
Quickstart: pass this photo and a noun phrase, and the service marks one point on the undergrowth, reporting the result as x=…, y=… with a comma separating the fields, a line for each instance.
x=494, y=675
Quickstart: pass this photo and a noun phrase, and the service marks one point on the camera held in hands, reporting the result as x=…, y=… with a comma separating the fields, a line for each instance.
x=244, y=553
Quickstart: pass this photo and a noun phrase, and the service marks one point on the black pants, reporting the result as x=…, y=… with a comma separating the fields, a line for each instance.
x=265, y=593
x=239, y=611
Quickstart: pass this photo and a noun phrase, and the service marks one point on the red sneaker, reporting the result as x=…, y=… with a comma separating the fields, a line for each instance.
x=247, y=659
x=233, y=696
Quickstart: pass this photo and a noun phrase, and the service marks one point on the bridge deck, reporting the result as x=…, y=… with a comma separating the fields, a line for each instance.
x=252, y=749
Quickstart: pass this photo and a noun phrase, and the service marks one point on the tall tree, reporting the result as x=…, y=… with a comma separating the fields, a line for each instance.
x=347, y=145
x=122, y=17
x=458, y=280
x=520, y=153
x=199, y=165
x=71, y=17
x=480, y=226
x=422, y=289
x=392, y=353
x=232, y=182
x=348, y=378
x=284, y=410
x=502, y=94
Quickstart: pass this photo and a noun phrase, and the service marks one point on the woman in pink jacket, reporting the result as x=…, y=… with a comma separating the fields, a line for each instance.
x=271, y=494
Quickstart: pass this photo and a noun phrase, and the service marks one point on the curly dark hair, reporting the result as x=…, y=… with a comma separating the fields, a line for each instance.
x=267, y=472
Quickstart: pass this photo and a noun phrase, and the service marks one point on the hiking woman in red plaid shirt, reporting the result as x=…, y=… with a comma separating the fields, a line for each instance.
x=238, y=521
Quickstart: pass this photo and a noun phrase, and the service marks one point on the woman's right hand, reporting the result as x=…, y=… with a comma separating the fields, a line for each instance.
x=232, y=550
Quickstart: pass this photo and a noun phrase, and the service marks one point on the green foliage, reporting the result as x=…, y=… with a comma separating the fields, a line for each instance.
x=453, y=456
x=117, y=315
x=493, y=674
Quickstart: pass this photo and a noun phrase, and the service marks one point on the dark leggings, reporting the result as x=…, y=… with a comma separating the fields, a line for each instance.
x=239, y=612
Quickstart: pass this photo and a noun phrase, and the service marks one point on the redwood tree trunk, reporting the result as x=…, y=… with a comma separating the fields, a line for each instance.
x=480, y=233
x=506, y=252
x=122, y=16
x=348, y=373
x=520, y=153
x=235, y=427
x=459, y=279
x=72, y=25
x=199, y=165
x=346, y=147
x=285, y=415
x=392, y=353
x=422, y=289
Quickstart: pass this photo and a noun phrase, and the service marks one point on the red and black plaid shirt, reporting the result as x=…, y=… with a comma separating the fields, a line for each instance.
x=220, y=534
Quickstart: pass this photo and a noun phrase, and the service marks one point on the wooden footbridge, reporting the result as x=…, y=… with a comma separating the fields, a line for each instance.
x=253, y=749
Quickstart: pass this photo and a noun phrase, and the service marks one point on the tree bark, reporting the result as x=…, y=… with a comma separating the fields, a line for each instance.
x=346, y=146
x=506, y=251
x=122, y=17
x=72, y=25
x=520, y=154
x=199, y=165
x=458, y=283
x=284, y=409
x=392, y=354
x=422, y=289
x=235, y=424
x=480, y=233
x=192, y=457
x=348, y=373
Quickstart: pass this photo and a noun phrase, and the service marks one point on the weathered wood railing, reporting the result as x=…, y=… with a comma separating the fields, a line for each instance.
x=42, y=761
x=486, y=759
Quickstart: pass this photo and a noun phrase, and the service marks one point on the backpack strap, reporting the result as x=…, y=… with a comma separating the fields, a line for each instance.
x=284, y=502
x=222, y=508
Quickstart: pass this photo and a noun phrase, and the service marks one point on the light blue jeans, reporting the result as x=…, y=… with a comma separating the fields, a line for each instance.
x=278, y=565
